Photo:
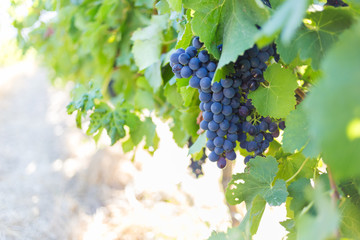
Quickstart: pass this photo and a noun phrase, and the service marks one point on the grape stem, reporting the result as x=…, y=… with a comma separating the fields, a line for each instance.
x=300, y=93
x=335, y=195
x=298, y=171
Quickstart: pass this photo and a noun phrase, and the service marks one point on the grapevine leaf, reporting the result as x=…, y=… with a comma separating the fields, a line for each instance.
x=277, y=99
x=198, y=145
x=172, y=95
x=335, y=127
x=163, y=7
x=320, y=31
x=185, y=36
x=175, y=5
x=179, y=134
x=289, y=225
x=350, y=220
x=144, y=99
x=297, y=192
x=188, y=119
x=321, y=224
x=149, y=129
x=258, y=181
x=153, y=75
x=188, y=94
x=290, y=164
x=296, y=134
x=286, y=19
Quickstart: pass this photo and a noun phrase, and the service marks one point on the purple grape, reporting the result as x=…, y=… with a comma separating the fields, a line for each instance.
x=213, y=126
x=194, y=64
x=184, y=58
x=186, y=72
x=210, y=134
x=205, y=97
x=204, y=125
x=216, y=87
x=196, y=42
x=218, y=118
x=231, y=155
x=216, y=107
x=227, y=82
x=224, y=125
x=218, y=150
x=194, y=82
x=219, y=141
x=208, y=116
x=213, y=157
x=221, y=163
x=192, y=51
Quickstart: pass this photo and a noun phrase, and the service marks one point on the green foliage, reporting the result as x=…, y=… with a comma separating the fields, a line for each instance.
x=117, y=54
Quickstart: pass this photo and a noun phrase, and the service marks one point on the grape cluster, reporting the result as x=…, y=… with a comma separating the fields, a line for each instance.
x=228, y=114
x=196, y=166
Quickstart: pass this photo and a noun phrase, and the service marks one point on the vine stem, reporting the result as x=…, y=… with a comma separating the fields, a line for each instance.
x=335, y=195
x=298, y=171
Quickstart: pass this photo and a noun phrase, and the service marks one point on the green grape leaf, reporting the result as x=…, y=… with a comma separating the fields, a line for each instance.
x=185, y=35
x=322, y=223
x=334, y=123
x=286, y=19
x=289, y=225
x=258, y=181
x=297, y=191
x=163, y=7
x=350, y=220
x=278, y=98
x=179, y=134
x=188, y=119
x=144, y=99
x=290, y=164
x=149, y=130
x=188, y=93
x=320, y=31
x=198, y=145
x=175, y=5
x=296, y=134
x=153, y=75
x=172, y=95
x=249, y=224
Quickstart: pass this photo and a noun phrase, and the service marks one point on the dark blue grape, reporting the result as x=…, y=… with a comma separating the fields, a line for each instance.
x=246, y=126
x=207, y=90
x=229, y=92
x=228, y=145
x=213, y=157
x=244, y=65
x=263, y=126
x=196, y=42
x=262, y=66
x=227, y=82
x=204, y=56
x=251, y=146
x=208, y=116
x=218, y=150
x=211, y=74
x=180, y=51
x=257, y=73
x=244, y=111
x=192, y=51
x=207, y=106
x=231, y=155
x=221, y=133
x=218, y=118
x=271, y=51
x=216, y=87
x=204, y=125
x=259, y=137
x=255, y=62
x=174, y=58
x=201, y=106
x=269, y=137
x=210, y=144
x=226, y=101
x=233, y=128
x=235, y=103
x=220, y=46
x=242, y=137
x=237, y=83
x=211, y=67
x=184, y=58
x=263, y=56
x=177, y=68
x=205, y=83
x=227, y=110
x=186, y=72
x=205, y=97
x=194, y=82
x=224, y=125
x=273, y=127
x=244, y=144
x=235, y=119
x=232, y=137
x=258, y=151
x=219, y=141
x=252, y=131
x=282, y=125
x=216, y=108
x=276, y=133
x=265, y=144
x=253, y=52
x=201, y=72
x=268, y=120
x=247, y=159
x=253, y=85
x=178, y=75
x=221, y=163
x=194, y=64
x=213, y=126
x=218, y=96
x=210, y=134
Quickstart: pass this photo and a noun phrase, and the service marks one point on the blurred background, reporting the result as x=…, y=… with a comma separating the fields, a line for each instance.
x=57, y=183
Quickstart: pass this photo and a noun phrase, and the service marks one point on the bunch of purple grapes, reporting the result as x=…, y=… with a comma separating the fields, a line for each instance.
x=226, y=110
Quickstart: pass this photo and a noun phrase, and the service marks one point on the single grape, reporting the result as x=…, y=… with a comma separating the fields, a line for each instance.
x=227, y=82
x=177, y=68
x=235, y=119
x=204, y=125
x=259, y=137
x=201, y=72
x=205, y=97
x=174, y=58
x=218, y=150
x=233, y=128
x=178, y=75
x=224, y=125
x=218, y=118
x=246, y=126
x=194, y=63
x=231, y=155
x=192, y=51
x=219, y=141
x=244, y=65
x=227, y=145
x=208, y=116
x=201, y=106
x=253, y=52
x=194, y=82
x=276, y=133
x=263, y=126
x=243, y=111
x=210, y=134
x=180, y=51
x=282, y=125
x=242, y=137
x=237, y=83
x=221, y=133
x=184, y=58
x=213, y=126
x=244, y=144
x=207, y=106
x=211, y=74
x=247, y=159
x=252, y=131
x=232, y=137
x=196, y=42
x=226, y=101
x=213, y=157
x=227, y=110
x=255, y=62
x=211, y=67
x=221, y=163
x=265, y=144
x=273, y=127
x=229, y=92
x=263, y=56
x=251, y=146
x=204, y=56
x=216, y=87
x=256, y=73
x=269, y=137
x=205, y=83
x=186, y=72
x=235, y=103
x=210, y=144
x=216, y=107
